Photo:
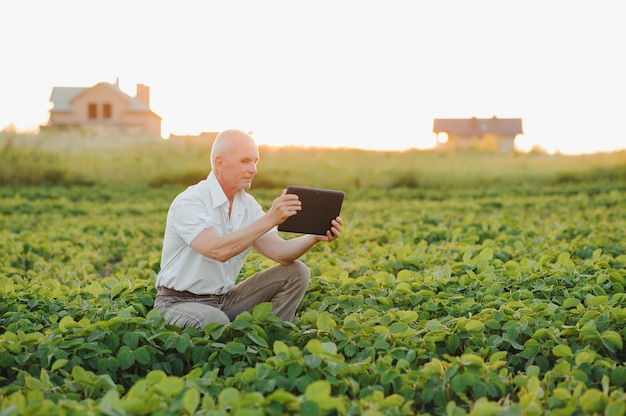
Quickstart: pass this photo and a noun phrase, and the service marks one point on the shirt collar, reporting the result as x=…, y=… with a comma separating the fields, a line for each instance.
x=218, y=196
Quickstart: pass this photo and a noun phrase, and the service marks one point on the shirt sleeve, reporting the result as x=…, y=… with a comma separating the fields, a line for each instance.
x=190, y=218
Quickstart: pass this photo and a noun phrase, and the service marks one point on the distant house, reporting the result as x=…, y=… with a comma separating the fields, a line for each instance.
x=496, y=134
x=103, y=107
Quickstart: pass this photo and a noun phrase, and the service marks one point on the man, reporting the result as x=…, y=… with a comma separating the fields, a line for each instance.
x=211, y=227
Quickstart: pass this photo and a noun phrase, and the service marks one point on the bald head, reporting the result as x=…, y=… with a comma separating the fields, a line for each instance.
x=233, y=161
x=228, y=141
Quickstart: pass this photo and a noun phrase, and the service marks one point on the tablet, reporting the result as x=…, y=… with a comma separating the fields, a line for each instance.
x=319, y=208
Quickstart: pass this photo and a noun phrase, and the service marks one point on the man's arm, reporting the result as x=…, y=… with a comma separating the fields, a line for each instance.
x=211, y=244
x=282, y=251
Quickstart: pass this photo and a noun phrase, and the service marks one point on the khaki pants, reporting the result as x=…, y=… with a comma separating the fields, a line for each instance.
x=284, y=286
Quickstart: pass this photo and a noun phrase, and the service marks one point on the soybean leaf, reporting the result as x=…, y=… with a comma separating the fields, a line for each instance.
x=262, y=310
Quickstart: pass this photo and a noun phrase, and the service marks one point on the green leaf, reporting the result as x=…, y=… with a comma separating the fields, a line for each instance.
x=467, y=257
x=453, y=343
x=315, y=347
x=154, y=317
x=563, y=258
x=484, y=407
x=593, y=401
x=215, y=330
x=262, y=310
x=318, y=391
x=79, y=373
x=617, y=408
x=472, y=360
x=618, y=376
x=492, y=324
x=596, y=254
x=388, y=376
x=486, y=253
x=225, y=358
x=294, y=370
x=95, y=289
x=329, y=347
x=58, y=364
x=351, y=323
x=325, y=322
x=227, y=397
x=257, y=339
x=407, y=316
x=280, y=347
x=312, y=361
x=497, y=356
x=474, y=326
x=131, y=339
x=434, y=325
x=571, y=303
x=458, y=383
x=562, y=351
x=113, y=364
x=191, y=400
x=612, y=340
x=240, y=323
x=66, y=323
x=584, y=357
x=142, y=356
x=32, y=383
x=125, y=314
x=235, y=348
x=283, y=397
x=109, y=401
x=398, y=327
x=310, y=408
x=182, y=343
x=170, y=385
x=591, y=300
x=125, y=357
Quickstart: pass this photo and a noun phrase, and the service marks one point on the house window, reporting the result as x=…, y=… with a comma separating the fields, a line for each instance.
x=106, y=110
x=93, y=110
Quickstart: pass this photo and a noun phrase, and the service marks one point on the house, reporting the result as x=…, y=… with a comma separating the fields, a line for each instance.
x=103, y=107
x=495, y=134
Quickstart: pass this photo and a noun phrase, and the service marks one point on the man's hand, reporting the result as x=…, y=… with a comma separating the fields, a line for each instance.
x=283, y=207
x=334, y=232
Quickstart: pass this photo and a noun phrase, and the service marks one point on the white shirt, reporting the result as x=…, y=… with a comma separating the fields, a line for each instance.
x=202, y=206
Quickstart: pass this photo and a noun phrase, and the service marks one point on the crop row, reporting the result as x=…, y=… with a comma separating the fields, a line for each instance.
x=472, y=305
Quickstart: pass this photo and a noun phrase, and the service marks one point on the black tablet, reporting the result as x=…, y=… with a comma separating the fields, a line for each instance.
x=319, y=208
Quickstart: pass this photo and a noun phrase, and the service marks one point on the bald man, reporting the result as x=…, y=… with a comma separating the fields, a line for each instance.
x=210, y=228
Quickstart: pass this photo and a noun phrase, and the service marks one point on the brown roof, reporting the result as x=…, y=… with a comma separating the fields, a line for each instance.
x=62, y=98
x=478, y=126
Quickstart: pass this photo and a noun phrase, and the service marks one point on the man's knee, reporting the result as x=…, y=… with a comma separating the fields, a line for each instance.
x=301, y=271
x=217, y=318
x=193, y=315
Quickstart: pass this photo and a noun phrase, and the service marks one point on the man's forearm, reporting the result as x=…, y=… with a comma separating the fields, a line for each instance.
x=224, y=247
x=296, y=247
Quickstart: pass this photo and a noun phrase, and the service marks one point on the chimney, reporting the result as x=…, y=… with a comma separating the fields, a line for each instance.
x=143, y=94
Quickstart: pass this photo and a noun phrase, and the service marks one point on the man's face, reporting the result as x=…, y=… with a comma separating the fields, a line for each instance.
x=238, y=167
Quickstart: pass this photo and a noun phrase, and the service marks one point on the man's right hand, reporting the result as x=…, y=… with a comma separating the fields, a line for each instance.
x=283, y=207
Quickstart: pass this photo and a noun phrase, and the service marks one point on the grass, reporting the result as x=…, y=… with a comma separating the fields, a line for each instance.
x=75, y=158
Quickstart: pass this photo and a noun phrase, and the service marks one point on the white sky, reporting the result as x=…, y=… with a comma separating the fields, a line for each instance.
x=371, y=74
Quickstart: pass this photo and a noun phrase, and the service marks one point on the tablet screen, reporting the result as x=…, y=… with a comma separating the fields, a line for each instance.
x=319, y=208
